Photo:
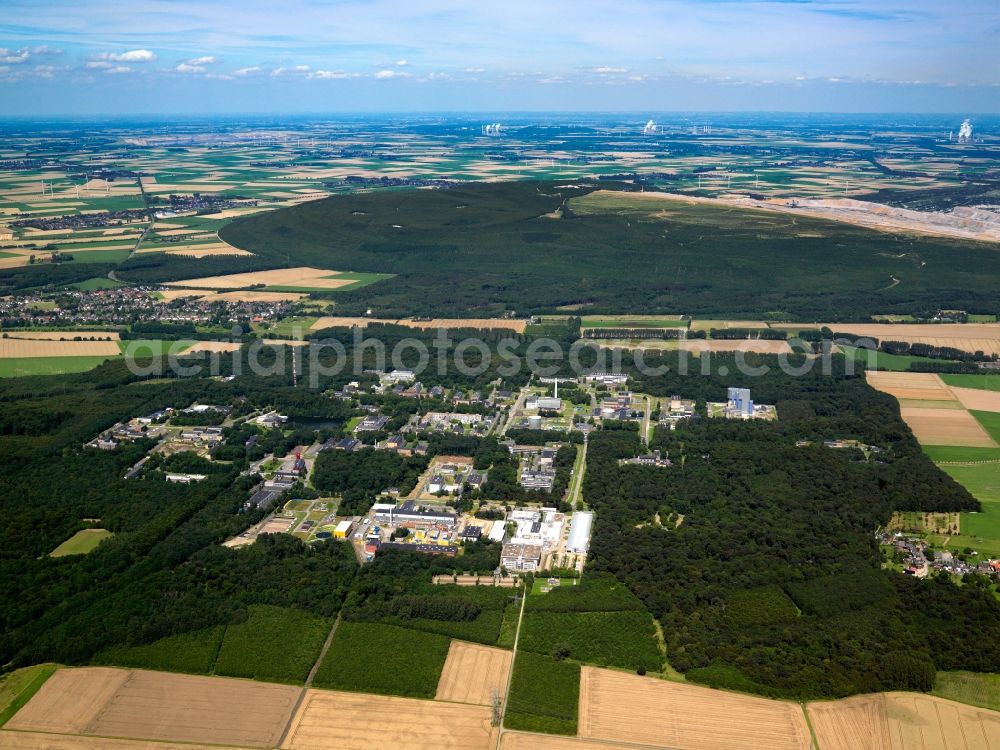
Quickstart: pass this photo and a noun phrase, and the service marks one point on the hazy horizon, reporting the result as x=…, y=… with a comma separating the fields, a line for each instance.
x=168, y=57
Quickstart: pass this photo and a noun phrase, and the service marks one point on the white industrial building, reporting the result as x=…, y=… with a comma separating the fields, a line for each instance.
x=579, y=532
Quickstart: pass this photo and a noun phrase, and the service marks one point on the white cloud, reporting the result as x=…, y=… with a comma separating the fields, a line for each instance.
x=118, y=69
x=14, y=58
x=384, y=75
x=247, y=71
x=195, y=65
x=131, y=56
x=475, y=70
x=432, y=76
x=99, y=65
x=402, y=63
x=605, y=70
x=332, y=75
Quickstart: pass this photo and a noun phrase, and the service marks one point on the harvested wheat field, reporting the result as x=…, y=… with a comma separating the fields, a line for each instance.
x=933, y=426
x=33, y=348
x=329, y=720
x=472, y=672
x=977, y=399
x=627, y=708
x=206, y=250
x=158, y=706
x=903, y=721
x=40, y=741
x=252, y=296
x=487, y=324
x=917, y=386
x=214, y=346
x=519, y=741
x=758, y=346
x=61, y=335
x=332, y=321
x=969, y=337
x=311, y=278
x=859, y=722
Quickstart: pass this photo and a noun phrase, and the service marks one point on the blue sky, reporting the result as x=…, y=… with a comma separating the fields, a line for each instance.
x=206, y=56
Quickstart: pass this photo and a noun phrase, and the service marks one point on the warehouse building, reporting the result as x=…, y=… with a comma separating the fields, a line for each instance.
x=579, y=532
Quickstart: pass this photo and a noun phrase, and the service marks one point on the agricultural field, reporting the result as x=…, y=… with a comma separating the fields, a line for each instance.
x=876, y=360
x=18, y=687
x=24, y=366
x=98, y=701
x=901, y=721
x=472, y=673
x=82, y=542
x=982, y=382
x=483, y=324
x=274, y=644
x=969, y=337
x=608, y=639
x=621, y=707
x=369, y=657
x=349, y=721
x=633, y=321
x=301, y=279
x=194, y=653
x=544, y=695
x=972, y=688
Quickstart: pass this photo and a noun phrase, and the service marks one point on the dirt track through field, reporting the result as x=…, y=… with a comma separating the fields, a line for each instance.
x=615, y=706
x=11, y=348
x=472, y=672
x=330, y=720
x=159, y=706
x=903, y=721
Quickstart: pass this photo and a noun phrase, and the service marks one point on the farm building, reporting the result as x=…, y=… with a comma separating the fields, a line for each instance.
x=579, y=532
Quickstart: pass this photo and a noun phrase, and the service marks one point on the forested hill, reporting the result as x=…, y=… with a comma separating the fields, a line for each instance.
x=486, y=248
x=758, y=556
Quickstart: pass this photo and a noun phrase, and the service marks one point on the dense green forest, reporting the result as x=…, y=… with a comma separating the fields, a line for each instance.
x=481, y=249
x=771, y=582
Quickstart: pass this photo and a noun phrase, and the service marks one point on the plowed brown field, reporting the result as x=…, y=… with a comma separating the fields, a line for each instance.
x=472, y=672
x=329, y=720
x=627, y=708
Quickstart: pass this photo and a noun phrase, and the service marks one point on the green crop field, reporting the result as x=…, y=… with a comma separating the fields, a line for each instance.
x=490, y=248
x=98, y=282
x=983, y=382
x=875, y=360
x=374, y=658
x=143, y=348
x=962, y=454
x=82, y=542
x=194, y=652
x=607, y=639
x=275, y=644
x=18, y=687
x=976, y=689
x=990, y=420
x=18, y=367
x=544, y=695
